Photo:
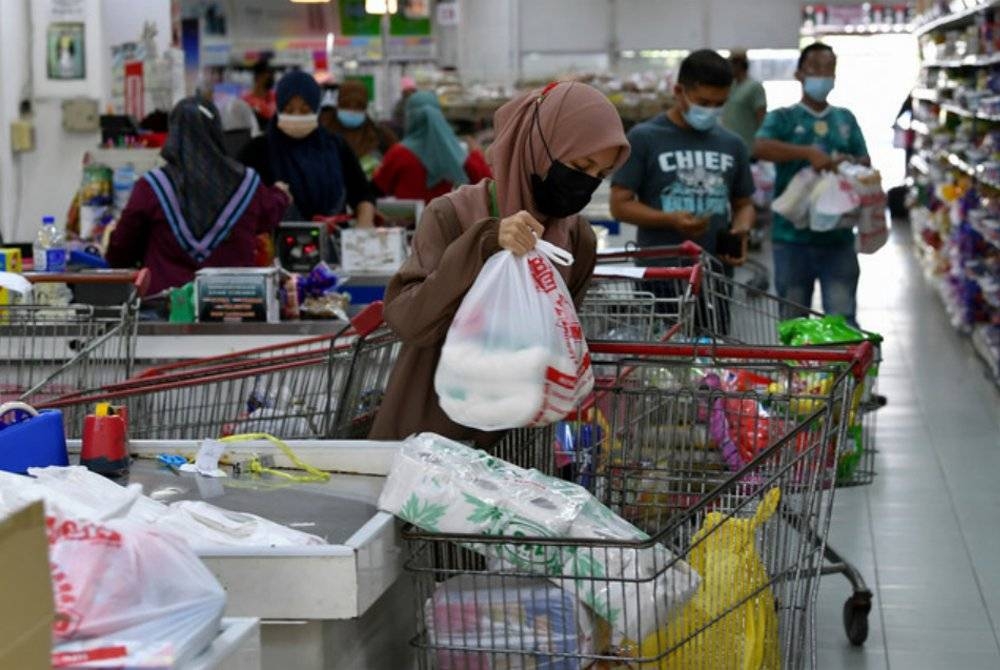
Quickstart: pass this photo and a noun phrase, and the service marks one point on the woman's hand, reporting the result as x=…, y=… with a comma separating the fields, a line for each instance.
x=365, y=215
x=283, y=187
x=520, y=232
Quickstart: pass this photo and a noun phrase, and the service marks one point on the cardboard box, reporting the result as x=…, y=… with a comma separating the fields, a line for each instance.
x=373, y=251
x=10, y=261
x=26, y=591
x=236, y=295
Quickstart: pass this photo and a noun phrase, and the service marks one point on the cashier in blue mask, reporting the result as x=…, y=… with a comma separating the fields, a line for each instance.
x=368, y=139
x=321, y=171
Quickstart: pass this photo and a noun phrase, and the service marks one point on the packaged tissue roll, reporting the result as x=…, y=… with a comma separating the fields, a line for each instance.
x=521, y=621
x=442, y=486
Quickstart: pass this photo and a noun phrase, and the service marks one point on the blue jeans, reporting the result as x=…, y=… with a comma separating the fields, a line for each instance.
x=797, y=267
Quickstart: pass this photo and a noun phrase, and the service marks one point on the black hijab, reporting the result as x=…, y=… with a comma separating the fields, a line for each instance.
x=311, y=165
x=203, y=192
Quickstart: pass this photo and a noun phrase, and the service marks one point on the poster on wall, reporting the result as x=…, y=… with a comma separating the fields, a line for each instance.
x=65, y=51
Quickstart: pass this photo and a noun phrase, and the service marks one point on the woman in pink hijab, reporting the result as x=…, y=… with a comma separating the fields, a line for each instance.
x=553, y=147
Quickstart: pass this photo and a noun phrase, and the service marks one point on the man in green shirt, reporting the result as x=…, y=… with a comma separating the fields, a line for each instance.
x=813, y=133
x=744, y=111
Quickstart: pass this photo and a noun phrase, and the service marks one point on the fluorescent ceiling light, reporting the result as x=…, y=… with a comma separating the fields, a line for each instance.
x=381, y=6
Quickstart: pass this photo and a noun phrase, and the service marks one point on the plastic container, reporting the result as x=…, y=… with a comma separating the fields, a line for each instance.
x=32, y=440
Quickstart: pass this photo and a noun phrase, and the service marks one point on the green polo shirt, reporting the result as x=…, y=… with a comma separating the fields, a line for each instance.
x=835, y=130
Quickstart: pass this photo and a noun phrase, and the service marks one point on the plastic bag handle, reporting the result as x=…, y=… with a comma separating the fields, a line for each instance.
x=15, y=405
x=557, y=255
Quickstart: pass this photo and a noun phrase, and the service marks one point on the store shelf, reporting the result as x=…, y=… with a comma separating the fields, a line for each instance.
x=859, y=29
x=969, y=114
x=969, y=61
x=920, y=127
x=992, y=236
x=953, y=18
x=925, y=94
x=988, y=348
x=919, y=163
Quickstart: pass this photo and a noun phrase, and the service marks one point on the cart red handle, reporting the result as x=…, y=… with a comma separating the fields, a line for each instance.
x=686, y=249
x=369, y=319
x=138, y=278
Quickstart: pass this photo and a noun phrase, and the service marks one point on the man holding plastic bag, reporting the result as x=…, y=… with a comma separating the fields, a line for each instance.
x=553, y=146
x=813, y=134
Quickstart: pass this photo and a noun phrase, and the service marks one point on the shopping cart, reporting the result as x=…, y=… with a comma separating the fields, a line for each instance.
x=47, y=350
x=728, y=311
x=642, y=446
x=321, y=387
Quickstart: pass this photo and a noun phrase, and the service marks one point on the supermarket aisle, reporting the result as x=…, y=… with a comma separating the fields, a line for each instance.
x=926, y=534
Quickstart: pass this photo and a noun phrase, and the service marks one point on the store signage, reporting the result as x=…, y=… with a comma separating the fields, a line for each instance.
x=135, y=91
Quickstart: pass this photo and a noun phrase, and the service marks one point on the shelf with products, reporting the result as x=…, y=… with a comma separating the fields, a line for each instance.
x=986, y=60
x=930, y=24
x=926, y=94
x=919, y=163
x=920, y=127
x=969, y=114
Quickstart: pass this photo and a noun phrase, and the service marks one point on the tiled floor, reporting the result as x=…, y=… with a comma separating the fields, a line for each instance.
x=926, y=534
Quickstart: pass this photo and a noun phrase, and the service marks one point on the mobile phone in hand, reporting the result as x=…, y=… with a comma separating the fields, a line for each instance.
x=728, y=244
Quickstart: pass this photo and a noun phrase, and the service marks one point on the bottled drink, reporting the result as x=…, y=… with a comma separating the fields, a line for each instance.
x=123, y=181
x=49, y=252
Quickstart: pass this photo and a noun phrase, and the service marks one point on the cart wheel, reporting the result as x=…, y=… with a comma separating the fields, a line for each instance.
x=856, y=611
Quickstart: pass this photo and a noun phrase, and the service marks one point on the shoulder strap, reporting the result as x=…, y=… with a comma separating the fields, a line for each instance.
x=494, y=203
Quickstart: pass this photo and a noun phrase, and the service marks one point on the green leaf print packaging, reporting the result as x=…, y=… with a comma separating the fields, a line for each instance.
x=445, y=487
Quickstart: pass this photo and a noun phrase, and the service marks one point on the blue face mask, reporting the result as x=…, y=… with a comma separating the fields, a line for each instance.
x=702, y=118
x=350, y=118
x=818, y=88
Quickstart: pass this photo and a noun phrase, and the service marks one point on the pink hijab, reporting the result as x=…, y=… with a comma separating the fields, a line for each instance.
x=576, y=121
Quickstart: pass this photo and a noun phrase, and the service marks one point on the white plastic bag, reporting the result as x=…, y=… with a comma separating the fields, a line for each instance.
x=128, y=595
x=870, y=218
x=793, y=203
x=515, y=354
x=833, y=198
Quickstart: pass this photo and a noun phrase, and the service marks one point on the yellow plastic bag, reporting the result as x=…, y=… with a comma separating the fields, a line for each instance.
x=724, y=553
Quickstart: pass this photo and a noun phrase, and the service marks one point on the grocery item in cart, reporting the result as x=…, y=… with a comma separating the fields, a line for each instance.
x=515, y=354
x=724, y=552
x=527, y=619
x=442, y=486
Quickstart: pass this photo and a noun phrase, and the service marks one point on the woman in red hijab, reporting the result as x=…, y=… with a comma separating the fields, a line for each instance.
x=553, y=147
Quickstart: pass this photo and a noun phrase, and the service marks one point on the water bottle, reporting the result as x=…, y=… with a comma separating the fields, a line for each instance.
x=122, y=183
x=49, y=251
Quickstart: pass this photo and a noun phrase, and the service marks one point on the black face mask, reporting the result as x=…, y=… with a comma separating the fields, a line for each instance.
x=564, y=191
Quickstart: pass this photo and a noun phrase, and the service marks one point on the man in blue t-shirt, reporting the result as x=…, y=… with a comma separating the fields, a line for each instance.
x=688, y=178
x=814, y=133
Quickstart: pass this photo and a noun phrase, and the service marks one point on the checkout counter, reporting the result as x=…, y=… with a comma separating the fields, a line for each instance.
x=344, y=605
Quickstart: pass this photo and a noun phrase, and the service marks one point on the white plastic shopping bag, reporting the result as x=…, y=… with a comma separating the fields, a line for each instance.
x=515, y=354
x=793, y=203
x=833, y=199
x=128, y=595
x=870, y=218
